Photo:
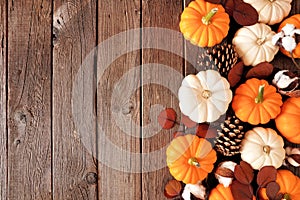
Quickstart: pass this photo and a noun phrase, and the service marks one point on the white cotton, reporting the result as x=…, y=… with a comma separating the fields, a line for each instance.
x=197, y=190
x=289, y=43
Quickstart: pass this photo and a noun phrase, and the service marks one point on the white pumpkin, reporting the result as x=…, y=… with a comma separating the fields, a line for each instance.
x=271, y=11
x=204, y=97
x=262, y=147
x=254, y=44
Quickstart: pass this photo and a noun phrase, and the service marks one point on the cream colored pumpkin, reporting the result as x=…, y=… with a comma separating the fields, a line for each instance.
x=271, y=11
x=204, y=97
x=262, y=147
x=254, y=44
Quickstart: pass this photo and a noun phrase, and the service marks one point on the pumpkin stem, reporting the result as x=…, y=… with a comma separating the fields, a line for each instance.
x=260, y=96
x=267, y=149
x=194, y=162
x=206, y=94
x=286, y=196
x=206, y=19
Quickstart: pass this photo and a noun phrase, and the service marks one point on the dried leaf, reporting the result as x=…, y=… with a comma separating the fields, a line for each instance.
x=167, y=118
x=172, y=189
x=229, y=6
x=296, y=157
x=204, y=131
x=241, y=191
x=244, y=173
x=272, y=190
x=244, y=14
x=261, y=71
x=235, y=74
x=215, y=1
x=266, y=175
x=225, y=172
x=188, y=122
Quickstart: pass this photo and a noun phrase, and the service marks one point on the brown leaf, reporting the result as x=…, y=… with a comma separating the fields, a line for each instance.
x=187, y=121
x=261, y=71
x=229, y=6
x=172, y=189
x=215, y=1
x=244, y=173
x=222, y=171
x=266, y=175
x=296, y=157
x=204, y=131
x=235, y=74
x=241, y=191
x=244, y=14
x=167, y=118
x=272, y=190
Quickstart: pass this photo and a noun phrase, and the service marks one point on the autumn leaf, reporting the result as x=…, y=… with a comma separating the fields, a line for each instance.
x=172, y=189
x=244, y=173
x=204, y=131
x=241, y=191
x=266, y=175
x=187, y=121
x=235, y=74
x=244, y=14
x=261, y=71
x=167, y=118
x=272, y=190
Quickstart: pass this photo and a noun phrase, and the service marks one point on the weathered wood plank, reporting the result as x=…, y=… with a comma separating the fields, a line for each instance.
x=3, y=132
x=163, y=80
x=29, y=99
x=118, y=100
x=74, y=168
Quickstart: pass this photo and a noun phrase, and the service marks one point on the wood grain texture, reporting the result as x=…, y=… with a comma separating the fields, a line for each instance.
x=160, y=82
x=29, y=102
x=118, y=100
x=74, y=168
x=3, y=132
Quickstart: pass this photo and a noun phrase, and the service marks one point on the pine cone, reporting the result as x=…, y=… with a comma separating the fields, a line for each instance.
x=230, y=136
x=221, y=57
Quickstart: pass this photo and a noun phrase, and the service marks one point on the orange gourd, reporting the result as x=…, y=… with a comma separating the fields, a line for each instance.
x=295, y=20
x=289, y=186
x=221, y=193
x=256, y=102
x=204, y=24
x=288, y=121
x=190, y=158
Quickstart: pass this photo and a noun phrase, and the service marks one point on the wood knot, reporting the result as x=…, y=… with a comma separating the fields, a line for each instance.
x=91, y=178
x=21, y=117
x=127, y=108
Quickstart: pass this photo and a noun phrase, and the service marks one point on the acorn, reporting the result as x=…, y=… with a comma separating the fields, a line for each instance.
x=221, y=57
x=230, y=136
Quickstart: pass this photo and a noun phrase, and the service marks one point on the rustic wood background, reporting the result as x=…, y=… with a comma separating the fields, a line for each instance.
x=43, y=43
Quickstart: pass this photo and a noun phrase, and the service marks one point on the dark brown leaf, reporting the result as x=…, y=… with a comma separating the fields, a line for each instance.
x=241, y=191
x=187, y=121
x=235, y=74
x=244, y=173
x=296, y=157
x=204, y=131
x=266, y=175
x=172, y=189
x=222, y=171
x=167, y=118
x=229, y=6
x=272, y=190
x=261, y=71
x=244, y=14
x=215, y=1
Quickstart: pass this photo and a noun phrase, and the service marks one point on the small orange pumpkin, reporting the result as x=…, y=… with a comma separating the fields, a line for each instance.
x=190, y=158
x=221, y=193
x=204, y=24
x=289, y=186
x=295, y=20
x=288, y=121
x=256, y=102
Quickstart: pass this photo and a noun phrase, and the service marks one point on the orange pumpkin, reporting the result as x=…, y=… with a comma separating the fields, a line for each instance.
x=289, y=186
x=295, y=20
x=204, y=24
x=288, y=121
x=190, y=158
x=256, y=102
x=221, y=193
